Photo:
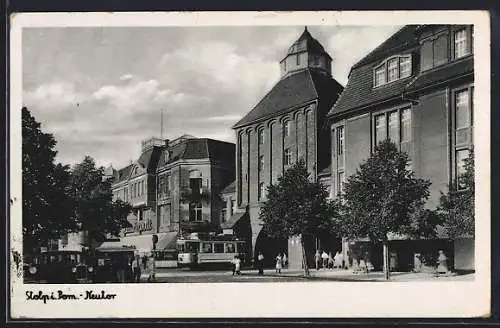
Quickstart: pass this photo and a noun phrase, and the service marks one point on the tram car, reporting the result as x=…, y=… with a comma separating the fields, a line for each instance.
x=60, y=267
x=197, y=251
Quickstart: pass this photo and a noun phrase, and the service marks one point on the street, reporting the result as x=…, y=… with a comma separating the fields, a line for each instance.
x=288, y=275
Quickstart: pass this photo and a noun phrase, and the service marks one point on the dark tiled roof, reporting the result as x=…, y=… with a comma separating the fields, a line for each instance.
x=359, y=90
x=124, y=173
x=199, y=148
x=443, y=73
x=307, y=43
x=149, y=158
x=295, y=89
x=403, y=38
x=230, y=188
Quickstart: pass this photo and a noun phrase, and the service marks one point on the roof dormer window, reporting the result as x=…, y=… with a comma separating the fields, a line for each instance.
x=392, y=69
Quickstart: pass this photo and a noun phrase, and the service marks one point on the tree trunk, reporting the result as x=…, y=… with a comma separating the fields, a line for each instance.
x=387, y=269
x=304, y=257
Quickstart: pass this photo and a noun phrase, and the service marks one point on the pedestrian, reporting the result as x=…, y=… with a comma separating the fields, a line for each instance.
x=121, y=267
x=237, y=265
x=260, y=263
x=144, y=261
x=285, y=260
x=136, y=269
x=233, y=262
x=330, y=261
x=317, y=259
x=278, y=263
x=324, y=257
x=152, y=269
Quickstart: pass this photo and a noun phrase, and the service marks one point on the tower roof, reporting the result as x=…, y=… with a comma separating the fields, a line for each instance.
x=306, y=43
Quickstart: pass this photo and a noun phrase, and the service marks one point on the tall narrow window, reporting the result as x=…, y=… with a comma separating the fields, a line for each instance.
x=195, y=211
x=233, y=207
x=261, y=190
x=461, y=156
x=441, y=52
x=404, y=67
x=380, y=133
x=340, y=140
x=286, y=128
x=195, y=185
x=287, y=157
x=298, y=59
x=426, y=55
x=223, y=215
x=462, y=119
x=392, y=70
x=393, y=123
x=461, y=43
x=261, y=163
x=340, y=183
x=261, y=137
x=380, y=75
x=405, y=125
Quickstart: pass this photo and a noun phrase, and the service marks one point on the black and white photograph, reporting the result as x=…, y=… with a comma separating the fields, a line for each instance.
x=192, y=160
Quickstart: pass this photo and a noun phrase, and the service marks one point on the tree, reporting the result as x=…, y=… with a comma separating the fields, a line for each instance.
x=295, y=206
x=384, y=197
x=457, y=205
x=47, y=209
x=94, y=208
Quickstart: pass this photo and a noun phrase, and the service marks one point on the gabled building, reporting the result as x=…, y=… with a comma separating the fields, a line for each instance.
x=287, y=124
x=173, y=187
x=416, y=89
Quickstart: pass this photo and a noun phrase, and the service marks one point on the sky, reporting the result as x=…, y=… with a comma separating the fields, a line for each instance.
x=101, y=90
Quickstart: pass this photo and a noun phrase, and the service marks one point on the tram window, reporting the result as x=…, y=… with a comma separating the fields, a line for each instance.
x=192, y=247
x=230, y=248
x=218, y=248
x=78, y=258
x=207, y=247
x=52, y=258
x=180, y=247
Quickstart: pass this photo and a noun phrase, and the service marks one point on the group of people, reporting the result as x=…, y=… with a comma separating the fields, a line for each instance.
x=327, y=261
x=281, y=262
x=146, y=263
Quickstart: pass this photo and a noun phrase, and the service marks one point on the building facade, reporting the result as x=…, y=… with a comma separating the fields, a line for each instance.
x=416, y=89
x=173, y=187
x=289, y=123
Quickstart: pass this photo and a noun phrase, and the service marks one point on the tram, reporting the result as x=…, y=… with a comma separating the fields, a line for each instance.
x=210, y=250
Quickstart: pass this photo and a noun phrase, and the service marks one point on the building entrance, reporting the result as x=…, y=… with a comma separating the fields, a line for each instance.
x=270, y=247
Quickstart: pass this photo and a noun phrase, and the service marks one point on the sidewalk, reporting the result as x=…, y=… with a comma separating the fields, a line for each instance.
x=319, y=275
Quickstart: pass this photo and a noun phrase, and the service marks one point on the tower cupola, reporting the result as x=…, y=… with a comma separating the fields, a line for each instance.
x=304, y=53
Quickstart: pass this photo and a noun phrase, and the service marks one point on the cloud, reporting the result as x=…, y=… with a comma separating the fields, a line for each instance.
x=126, y=77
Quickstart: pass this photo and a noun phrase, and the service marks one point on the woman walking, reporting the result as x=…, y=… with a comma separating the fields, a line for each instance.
x=260, y=263
x=278, y=263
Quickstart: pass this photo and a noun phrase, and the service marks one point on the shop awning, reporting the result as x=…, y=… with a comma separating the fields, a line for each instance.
x=141, y=243
x=229, y=224
x=167, y=241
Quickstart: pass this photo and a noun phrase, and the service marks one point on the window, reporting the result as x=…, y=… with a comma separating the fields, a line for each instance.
x=461, y=43
x=261, y=163
x=286, y=128
x=287, y=158
x=298, y=59
x=405, y=125
x=340, y=183
x=126, y=194
x=380, y=133
x=261, y=190
x=340, y=140
x=218, y=248
x=426, y=55
x=404, y=67
x=261, y=137
x=195, y=185
x=380, y=76
x=440, y=50
x=223, y=215
x=460, y=157
x=229, y=247
x=392, y=70
x=233, y=207
x=206, y=247
x=462, y=112
x=393, y=123
x=195, y=211
x=165, y=215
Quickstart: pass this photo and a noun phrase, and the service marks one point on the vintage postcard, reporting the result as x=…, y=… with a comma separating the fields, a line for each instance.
x=250, y=164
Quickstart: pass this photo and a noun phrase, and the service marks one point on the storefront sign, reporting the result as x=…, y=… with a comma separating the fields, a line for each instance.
x=140, y=226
